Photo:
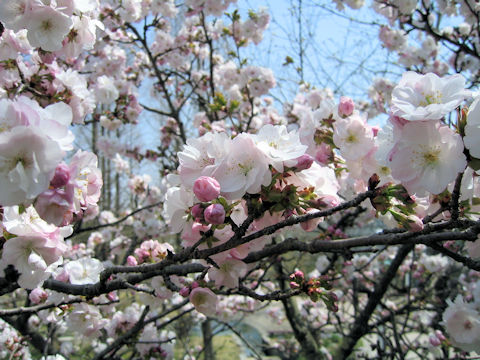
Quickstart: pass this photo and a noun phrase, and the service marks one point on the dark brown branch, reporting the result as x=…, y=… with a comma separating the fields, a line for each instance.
x=316, y=246
x=360, y=327
x=34, y=309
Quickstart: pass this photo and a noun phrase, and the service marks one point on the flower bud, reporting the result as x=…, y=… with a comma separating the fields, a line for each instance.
x=440, y=335
x=346, y=106
x=414, y=223
x=197, y=212
x=206, y=188
x=38, y=296
x=214, y=214
x=61, y=177
x=435, y=341
x=294, y=285
x=304, y=162
x=62, y=276
x=299, y=274
x=311, y=224
x=112, y=296
x=131, y=261
x=184, y=292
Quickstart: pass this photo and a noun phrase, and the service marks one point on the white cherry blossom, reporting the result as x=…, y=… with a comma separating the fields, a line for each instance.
x=47, y=28
x=84, y=271
x=427, y=97
x=427, y=157
x=279, y=145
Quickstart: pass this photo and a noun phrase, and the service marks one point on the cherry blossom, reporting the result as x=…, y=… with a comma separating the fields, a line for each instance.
x=353, y=136
x=27, y=164
x=47, y=27
x=84, y=271
x=243, y=170
x=472, y=129
x=427, y=157
x=14, y=13
x=462, y=323
x=427, y=97
x=204, y=300
x=34, y=256
x=228, y=273
x=279, y=145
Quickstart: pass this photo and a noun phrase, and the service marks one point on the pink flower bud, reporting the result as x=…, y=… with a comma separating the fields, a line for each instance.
x=440, y=335
x=206, y=188
x=197, y=212
x=38, y=296
x=142, y=254
x=214, y=214
x=46, y=56
x=333, y=296
x=294, y=285
x=194, y=285
x=131, y=261
x=414, y=223
x=435, y=341
x=304, y=162
x=112, y=296
x=63, y=276
x=323, y=153
x=311, y=224
x=184, y=292
x=61, y=177
x=299, y=274
x=346, y=106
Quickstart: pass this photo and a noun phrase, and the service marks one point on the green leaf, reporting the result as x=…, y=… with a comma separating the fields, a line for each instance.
x=288, y=60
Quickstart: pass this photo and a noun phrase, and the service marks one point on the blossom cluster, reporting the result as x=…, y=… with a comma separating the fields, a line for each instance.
x=66, y=27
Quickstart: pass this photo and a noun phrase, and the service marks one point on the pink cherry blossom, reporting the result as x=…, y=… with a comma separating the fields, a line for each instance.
x=354, y=137
x=27, y=164
x=54, y=206
x=243, y=170
x=279, y=145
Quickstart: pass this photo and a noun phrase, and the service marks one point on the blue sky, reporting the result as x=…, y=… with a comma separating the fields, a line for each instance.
x=340, y=53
